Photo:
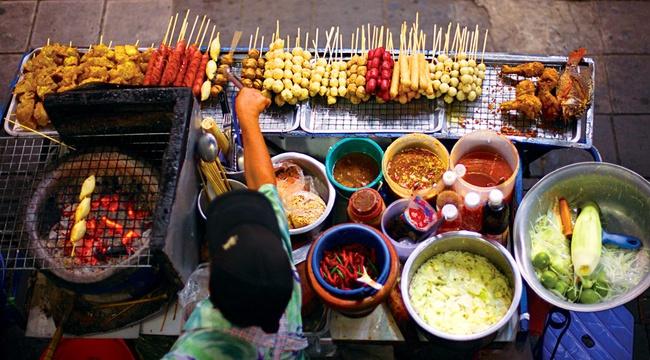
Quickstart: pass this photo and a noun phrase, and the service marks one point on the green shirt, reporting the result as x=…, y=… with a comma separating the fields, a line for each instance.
x=208, y=335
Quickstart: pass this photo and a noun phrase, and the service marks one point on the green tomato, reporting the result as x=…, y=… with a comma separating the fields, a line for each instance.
x=587, y=283
x=589, y=296
x=549, y=279
x=561, y=287
x=601, y=288
x=572, y=293
x=541, y=260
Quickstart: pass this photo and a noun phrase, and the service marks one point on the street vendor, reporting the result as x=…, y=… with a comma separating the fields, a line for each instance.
x=254, y=306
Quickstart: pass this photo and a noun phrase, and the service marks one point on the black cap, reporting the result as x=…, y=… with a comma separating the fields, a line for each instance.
x=250, y=276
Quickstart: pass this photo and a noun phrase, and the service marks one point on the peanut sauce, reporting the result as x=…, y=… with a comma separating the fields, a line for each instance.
x=415, y=169
x=356, y=170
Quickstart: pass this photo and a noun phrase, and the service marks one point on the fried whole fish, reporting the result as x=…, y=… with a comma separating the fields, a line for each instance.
x=574, y=90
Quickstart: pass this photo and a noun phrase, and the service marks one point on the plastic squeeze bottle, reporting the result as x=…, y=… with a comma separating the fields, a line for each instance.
x=448, y=195
x=472, y=212
x=452, y=220
x=496, y=218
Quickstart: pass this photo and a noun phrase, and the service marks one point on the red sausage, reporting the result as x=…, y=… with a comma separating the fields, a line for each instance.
x=200, y=75
x=160, y=65
x=150, y=65
x=192, y=69
x=169, y=75
x=187, y=57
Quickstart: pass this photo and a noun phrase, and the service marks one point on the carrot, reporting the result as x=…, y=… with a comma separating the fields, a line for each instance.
x=565, y=216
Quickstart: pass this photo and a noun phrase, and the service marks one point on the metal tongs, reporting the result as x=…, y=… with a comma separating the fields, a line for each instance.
x=234, y=79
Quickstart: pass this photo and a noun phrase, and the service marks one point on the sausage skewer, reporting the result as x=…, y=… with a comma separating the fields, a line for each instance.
x=195, y=62
x=200, y=75
x=164, y=57
x=156, y=57
x=174, y=63
x=187, y=56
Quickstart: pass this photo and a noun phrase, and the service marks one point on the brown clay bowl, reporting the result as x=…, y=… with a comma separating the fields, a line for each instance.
x=355, y=307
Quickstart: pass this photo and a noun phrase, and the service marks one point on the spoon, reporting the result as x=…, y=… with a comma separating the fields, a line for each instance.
x=207, y=147
x=365, y=279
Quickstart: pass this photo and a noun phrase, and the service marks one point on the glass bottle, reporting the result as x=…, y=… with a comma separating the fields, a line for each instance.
x=366, y=207
x=496, y=218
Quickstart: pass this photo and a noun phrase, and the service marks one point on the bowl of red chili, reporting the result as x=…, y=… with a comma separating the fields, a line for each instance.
x=340, y=254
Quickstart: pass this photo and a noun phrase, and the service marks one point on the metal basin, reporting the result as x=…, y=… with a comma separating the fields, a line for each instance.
x=624, y=200
x=473, y=243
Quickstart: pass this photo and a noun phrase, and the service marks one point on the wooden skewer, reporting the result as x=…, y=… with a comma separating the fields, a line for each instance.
x=48, y=41
x=40, y=134
x=316, y=44
x=169, y=26
x=257, y=31
x=288, y=43
x=261, y=43
x=101, y=39
x=212, y=36
x=171, y=36
x=198, y=34
x=235, y=41
x=297, y=44
x=277, y=29
x=207, y=25
x=250, y=42
x=184, y=26
x=356, y=43
x=381, y=36
x=196, y=19
x=307, y=41
x=484, y=42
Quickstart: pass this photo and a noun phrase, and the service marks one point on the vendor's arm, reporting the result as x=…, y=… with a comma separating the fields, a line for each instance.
x=258, y=169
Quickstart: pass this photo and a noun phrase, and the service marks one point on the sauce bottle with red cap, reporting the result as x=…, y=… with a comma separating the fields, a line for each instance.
x=496, y=218
x=366, y=207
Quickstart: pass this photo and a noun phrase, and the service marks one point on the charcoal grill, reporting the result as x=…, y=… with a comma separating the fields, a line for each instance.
x=135, y=142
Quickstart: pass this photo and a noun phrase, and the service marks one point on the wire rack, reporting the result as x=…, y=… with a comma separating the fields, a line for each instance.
x=484, y=114
x=32, y=233
x=420, y=115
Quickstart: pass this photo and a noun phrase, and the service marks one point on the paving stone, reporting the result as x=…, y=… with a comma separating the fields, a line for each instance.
x=65, y=21
x=291, y=14
x=603, y=104
x=604, y=138
x=144, y=20
x=15, y=25
x=357, y=14
x=629, y=95
x=556, y=159
x=470, y=13
x=224, y=14
x=624, y=26
x=632, y=132
x=438, y=12
x=8, y=70
x=521, y=27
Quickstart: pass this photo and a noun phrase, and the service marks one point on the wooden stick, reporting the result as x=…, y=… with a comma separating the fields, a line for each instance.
x=298, y=39
x=307, y=41
x=212, y=36
x=184, y=26
x=277, y=29
x=110, y=43
x=341, y=47
x=207, y=25
x=261, y=43
x=196, y=19
x=316, y=44
x=288, y=43
x=484, y=42
x=257, y=30
x=356, y=43
x=381, y=36
x=171, y=35
x=235, y=40
x=198, y=34
x=363, y=40
x=101, y=39
x=352, y=44
x=250, y=42
x=40, y=134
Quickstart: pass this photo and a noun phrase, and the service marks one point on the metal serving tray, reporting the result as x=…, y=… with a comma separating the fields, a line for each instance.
x=483, y=114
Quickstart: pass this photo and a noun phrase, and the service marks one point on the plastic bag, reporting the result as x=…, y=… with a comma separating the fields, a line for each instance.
x=303, y=209
x=196, y=289
x=289, y=178
x=420, y=215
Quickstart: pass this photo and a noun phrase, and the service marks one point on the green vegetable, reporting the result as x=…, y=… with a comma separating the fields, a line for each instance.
x=601, y=288
x=573, y=293
x=561, y=287
x=589, y=296
x=549, y=279
x=586, y=243
x=587, y=283
x=541, y=260
x=546, y=237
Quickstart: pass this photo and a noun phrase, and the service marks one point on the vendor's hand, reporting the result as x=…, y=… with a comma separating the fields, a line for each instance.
x=250, y=103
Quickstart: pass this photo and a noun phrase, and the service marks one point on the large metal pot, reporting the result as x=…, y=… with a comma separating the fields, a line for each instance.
x=470, y=242
x=624, y=201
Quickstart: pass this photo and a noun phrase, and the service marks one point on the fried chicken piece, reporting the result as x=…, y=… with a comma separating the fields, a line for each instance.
x=40, y=115
x=98, y=61
x=527, y=104
x=26, y=84
x=525, y=87
x=550, y=105
x=25, y=110
x=98, y=73
x=527, y=70
x=548, y=80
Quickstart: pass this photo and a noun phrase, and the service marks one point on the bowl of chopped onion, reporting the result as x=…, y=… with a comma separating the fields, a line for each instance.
x=461, y=289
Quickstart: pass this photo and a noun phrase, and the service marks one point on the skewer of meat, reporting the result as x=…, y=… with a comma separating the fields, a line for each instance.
x=165, y=51
x=174, y=63
x=156, y=58
x=200, y=75
x=195, y=62
x=187, y=57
